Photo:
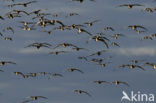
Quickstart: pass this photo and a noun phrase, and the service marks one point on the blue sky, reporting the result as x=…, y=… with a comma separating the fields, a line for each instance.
x=13, y=89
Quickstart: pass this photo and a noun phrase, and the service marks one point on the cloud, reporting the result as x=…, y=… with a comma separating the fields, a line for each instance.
x=32, y=51
x=148, y=51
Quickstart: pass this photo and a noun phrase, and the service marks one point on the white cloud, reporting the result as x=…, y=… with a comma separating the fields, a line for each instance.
x=140, y=51
x=33, y=50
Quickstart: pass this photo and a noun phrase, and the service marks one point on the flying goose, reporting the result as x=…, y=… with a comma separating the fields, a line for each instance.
x=22, y=74
x=98, y=53
x=101, y=81
x=108, y=28
x=80, y=30
x=25, y=23
x=65, y=45
x=33, y=98
x=130, y=5
x=23, y=4
x=120, y=82
x=78, y=48
x=91, y=23
x=151, y=64
x=20, y=11
x=131, y=66
x=115, y=44
x=71, y=14
x=135, y=27
x=47, y=31
x=26, y=27
x=147, y=37
x=80, y=1
x=74, y=69
x=55, y=75
x=2, y=63
x=150, y=10
x=82, y=57
x=99, y=38
x=104, y=64
x=12, y=15
x=57, y=52
x=9, y=28
x=8, y=38
x=115, y=36
x=36, y=11
x=96, y=60
x=81, y=91
x=39, y=45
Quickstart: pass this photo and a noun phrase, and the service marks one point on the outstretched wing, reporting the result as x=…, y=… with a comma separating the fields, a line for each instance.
x=86, y=32
x=115, y=44
x=95, y=21
x=1, y=34
x=137, y=5
x=140, y=67
x=123, y=5
x=104, y=41
x=1, y=18
x=86, y=93
x=142, y=27
x=42, y=97
x=60, y=22
x=79, y=70
x=124, y=83
x=10, y=62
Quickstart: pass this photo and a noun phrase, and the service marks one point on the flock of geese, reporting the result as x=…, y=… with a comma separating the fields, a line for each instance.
x=41, y=19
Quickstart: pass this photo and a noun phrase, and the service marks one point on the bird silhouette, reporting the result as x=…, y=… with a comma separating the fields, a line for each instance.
x=115, y=44
x=81, y=91
x=151, y=64
x=39, y=45
x=115, y=36
x=9, y=28
x=57, y=52
x=20, y=11
x=71, y=14
x=33, y=98
x=80, y=30
x=74, y=69
x=65, y=45
x=120, y=82
x=91, y=23
x=2, y=63
x=55, y=75
x=22, y=4
x=108, y=28
x=135, y=27
x=130, y=5
x=99, y=38
x=101, y=81
x=98, y=53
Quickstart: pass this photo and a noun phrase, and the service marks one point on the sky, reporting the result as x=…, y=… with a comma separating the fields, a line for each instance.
x=15, y=89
